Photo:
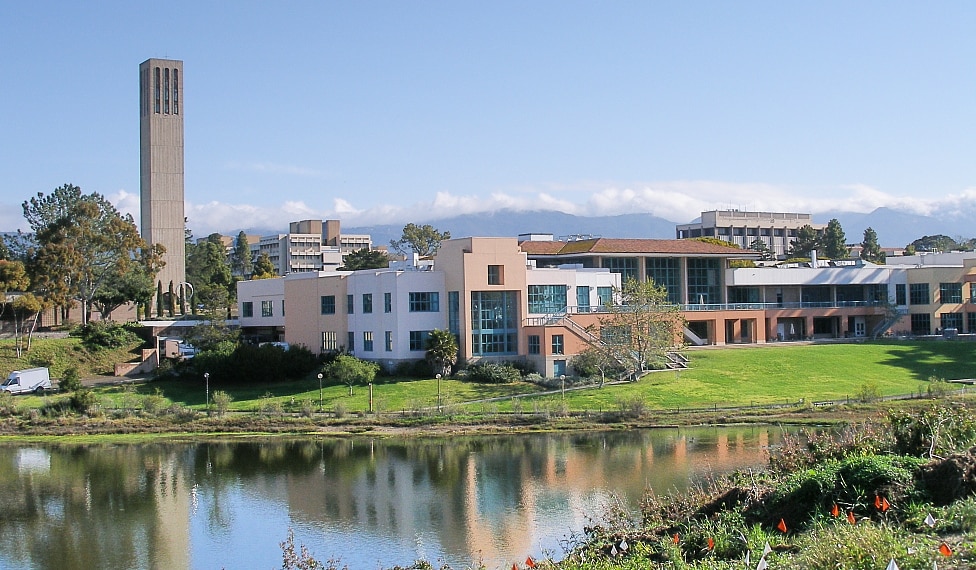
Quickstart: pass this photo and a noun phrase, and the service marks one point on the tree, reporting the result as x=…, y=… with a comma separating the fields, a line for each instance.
x=214, y=299
x=263, y=268
x=442, y=351
x=870, y=250
x=13, y=277
x=207, y=269
x=82, y=241
x=351, y=371
x=936, y=243
x=806, y=241
x=593, y=361
x=834, y=243
x=423, y=240
x=240, y=259
x=26, y=309
x=365, y=258
x=640, y=328
x=760, y=246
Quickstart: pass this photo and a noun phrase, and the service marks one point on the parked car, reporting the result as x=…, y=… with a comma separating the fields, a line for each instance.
x=35, y=380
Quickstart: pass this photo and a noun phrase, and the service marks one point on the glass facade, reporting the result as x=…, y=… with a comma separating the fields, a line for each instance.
x=665, y=272
x=950, y=293
x=494, y=322
x=918, y=294
x=625, y=266
x=951, y=321
x=704, y=284
x=547, y=299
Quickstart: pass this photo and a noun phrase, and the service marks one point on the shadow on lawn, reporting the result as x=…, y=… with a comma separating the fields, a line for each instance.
x=942, y=359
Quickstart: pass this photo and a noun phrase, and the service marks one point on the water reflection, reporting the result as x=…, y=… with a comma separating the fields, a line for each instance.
x=372, y=503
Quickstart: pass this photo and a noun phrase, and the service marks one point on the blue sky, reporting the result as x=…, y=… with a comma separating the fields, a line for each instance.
x=391, y=112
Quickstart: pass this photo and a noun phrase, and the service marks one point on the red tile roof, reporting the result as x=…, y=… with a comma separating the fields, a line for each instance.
x=637, y=246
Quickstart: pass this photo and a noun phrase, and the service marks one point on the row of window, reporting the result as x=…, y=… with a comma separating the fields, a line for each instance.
x=922, y=322
x=330, y=341
x=267, y=308
x=165, y=91
x=557, y=344
x=422, y=302
x=918, y=293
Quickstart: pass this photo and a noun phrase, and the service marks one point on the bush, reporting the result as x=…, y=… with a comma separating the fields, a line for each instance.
x=84, y=401
x=413, y=369
x=70, y=380
x=97, y=335
x=154, y=403
x=491, y=373
x=7, y=407
x=221, y=402
x=937, y=431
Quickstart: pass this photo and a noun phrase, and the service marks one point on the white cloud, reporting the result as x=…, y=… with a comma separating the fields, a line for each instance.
x=679, y=201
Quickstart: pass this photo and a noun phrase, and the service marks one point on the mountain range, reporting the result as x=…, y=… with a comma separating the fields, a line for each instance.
x=894, y=228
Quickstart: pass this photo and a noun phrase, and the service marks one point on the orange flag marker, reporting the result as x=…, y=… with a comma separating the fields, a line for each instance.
x=850, y=517
x=782, y=526
x=877, y=502
x=711, y=543
x=944, y=550
x=529, y=562
x=675, y=539
x=885, y=505
x=515, y=566
x=835, y=511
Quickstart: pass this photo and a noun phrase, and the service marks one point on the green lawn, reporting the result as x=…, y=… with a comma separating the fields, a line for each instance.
x=717, y=377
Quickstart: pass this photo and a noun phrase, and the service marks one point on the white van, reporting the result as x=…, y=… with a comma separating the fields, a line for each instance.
x=25, y=381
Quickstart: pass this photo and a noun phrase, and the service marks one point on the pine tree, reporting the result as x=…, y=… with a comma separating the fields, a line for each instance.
x=870, y=250
x=834, y=241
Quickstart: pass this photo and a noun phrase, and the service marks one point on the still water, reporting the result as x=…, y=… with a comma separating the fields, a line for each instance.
x=370, y=503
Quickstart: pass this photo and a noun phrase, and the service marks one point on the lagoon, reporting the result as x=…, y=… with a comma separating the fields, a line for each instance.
x=366, y=502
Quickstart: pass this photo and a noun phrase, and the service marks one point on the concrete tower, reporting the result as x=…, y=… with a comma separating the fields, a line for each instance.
x=161, y=163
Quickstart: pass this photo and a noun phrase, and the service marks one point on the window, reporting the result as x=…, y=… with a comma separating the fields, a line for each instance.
x=625, y=266
x=665, y=272
x=418, y=340
x=971, y=322
x=425, y=302
x=156, y=94
x=950, y=293
x=583, y=299
x=972, y=292
x=282, y=307
x=901, y=297
x=496, y=274
x=328, y=304
x=703, y=281
x=176, y=91
x=454, y=313
x=615, y=335
x=367, y=303
x=166, y=91
x=387, y=302
x=329, y=341
x=267, y=308
x=921, y=323
x=534, y=344
x=604, y=294
x=547, y=299
x=351, y=341
x=951, y=321
x=350, y=304
x=494, y=327
x=558, y=344
x=918, y=293
x=389, y=341
x=247, y=309
x=368, y=341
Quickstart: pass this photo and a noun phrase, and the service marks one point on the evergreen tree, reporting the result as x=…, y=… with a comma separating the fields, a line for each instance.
x=365, y=258
x=241, y=263
x=834, y=242
x=263, y=268
x=760, y=246
x=806, y=241
x=870, y=250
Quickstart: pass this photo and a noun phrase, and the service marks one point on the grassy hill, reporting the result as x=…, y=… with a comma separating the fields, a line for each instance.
x=59, y=354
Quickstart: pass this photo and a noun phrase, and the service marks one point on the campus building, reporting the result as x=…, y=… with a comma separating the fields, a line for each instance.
x=161, y=163
x=776, y=229
x=309, y=245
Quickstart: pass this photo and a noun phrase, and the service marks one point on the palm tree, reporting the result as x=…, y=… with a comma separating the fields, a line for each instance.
x=442, y=351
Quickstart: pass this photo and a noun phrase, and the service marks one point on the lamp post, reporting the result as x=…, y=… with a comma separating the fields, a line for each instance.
x=320, y=391
x=562, y=379
x=206, y=379
x=438, y=376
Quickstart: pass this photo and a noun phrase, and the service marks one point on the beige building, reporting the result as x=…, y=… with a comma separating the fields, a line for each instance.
x=776, y=229
x=161, y=163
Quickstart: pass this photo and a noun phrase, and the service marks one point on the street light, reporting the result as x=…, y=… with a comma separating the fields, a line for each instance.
x=206, y=378
x=438, y=376
x=320, y=391
x=562, y=378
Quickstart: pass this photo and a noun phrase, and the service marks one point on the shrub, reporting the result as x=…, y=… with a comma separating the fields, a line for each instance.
x=339, y=410
x=221, y=402
x=154, y=403
x=633, y=407
x=937, y=431
x=413, y=369
x=70, y=380
x=269, y=406
x=84, y=401
x=491, y=373
x=7, y=407
x=861, y=547
x=868, y=392
x=307, y=408
x=97, y=335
